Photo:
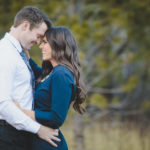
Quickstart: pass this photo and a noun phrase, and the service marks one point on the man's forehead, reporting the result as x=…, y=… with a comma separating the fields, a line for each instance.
x=41, y=29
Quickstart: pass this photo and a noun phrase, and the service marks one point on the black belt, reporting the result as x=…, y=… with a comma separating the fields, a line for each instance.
x=3, y=122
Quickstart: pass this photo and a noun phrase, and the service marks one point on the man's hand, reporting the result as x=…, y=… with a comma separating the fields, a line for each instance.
x=27, y=53
x=48, y=134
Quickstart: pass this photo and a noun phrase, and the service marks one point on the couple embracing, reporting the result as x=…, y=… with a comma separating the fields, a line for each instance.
x=34, y=100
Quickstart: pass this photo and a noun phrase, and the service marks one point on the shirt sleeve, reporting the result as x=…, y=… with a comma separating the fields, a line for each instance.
x=8, y=110
x=61, y=92
x=36, y=69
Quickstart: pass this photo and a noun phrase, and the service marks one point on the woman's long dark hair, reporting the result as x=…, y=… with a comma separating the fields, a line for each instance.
x=64, y=52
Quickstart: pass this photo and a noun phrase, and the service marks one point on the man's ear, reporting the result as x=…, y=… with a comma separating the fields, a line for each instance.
x=25, y=25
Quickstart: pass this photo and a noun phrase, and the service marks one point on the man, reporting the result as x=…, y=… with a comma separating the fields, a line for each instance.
x=16, y=78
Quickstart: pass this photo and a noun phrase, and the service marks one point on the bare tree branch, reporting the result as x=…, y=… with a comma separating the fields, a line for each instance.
x=105, y=91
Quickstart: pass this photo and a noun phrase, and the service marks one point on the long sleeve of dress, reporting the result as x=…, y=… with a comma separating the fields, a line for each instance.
x=36, y=69
x=61, y=93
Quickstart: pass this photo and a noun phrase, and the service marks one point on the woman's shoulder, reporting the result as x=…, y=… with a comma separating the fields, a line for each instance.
x=62, y=72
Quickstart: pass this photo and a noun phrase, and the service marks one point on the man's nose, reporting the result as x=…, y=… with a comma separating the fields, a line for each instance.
x=40, y=46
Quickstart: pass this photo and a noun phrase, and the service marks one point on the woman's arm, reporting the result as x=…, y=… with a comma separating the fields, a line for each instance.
x=36, y=69
x=61, y=92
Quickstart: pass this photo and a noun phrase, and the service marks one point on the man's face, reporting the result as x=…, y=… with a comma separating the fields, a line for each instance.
x=31, y=37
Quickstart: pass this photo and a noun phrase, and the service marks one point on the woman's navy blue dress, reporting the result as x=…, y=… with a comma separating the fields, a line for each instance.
x=51, y=103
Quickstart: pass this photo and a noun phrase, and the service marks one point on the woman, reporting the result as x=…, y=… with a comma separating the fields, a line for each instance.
x=58, y=84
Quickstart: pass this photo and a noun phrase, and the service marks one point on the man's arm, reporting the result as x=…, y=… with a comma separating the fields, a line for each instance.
x=43, y=132
x=11, y=113
x=8, y=110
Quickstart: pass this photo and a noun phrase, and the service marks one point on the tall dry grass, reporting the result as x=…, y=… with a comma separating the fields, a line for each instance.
x=110, y=136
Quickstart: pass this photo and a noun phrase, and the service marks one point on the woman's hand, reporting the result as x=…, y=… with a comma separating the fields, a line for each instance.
x=27, y=53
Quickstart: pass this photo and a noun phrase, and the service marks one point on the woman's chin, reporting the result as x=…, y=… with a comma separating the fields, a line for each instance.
x=45, y=59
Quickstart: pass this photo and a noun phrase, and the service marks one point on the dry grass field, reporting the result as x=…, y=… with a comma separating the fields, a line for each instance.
x=105, y=136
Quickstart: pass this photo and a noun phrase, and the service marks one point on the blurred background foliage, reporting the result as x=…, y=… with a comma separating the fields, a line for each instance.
x=113, y=38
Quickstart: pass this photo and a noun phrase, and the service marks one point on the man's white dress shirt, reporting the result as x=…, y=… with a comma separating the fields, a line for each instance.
x=15, y=84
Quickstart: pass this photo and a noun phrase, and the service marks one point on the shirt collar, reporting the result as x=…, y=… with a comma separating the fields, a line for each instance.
x=14, y=42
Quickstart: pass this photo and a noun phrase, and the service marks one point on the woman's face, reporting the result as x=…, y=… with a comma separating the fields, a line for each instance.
x=46, y=50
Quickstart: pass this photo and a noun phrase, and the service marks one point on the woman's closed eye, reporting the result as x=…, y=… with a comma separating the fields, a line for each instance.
x=44, y=41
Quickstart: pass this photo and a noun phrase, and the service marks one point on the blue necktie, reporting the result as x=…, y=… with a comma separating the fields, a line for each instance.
x=23, y=55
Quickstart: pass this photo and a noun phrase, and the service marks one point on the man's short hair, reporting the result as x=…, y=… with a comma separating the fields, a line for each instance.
x=32, y=14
